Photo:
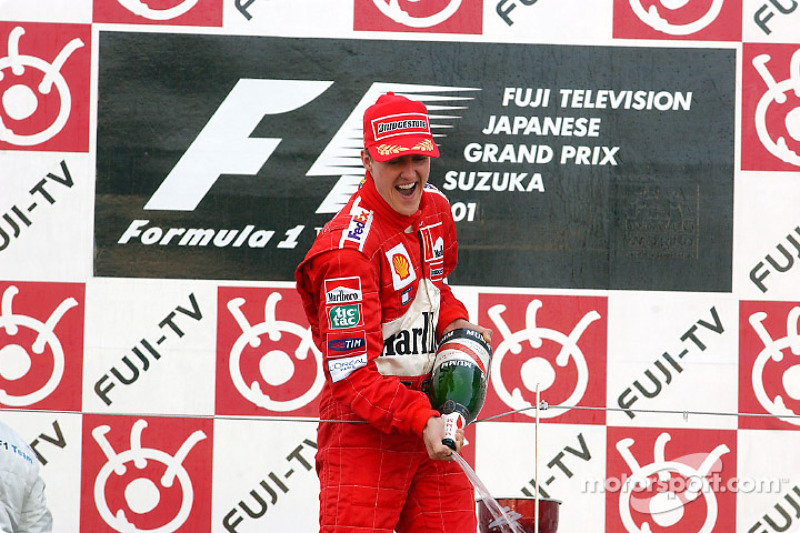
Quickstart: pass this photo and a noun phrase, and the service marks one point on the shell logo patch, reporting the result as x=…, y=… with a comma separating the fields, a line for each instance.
x=400, y=265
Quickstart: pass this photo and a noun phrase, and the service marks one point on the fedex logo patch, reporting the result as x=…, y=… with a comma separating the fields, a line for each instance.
x=342, y=290
x=358, y=229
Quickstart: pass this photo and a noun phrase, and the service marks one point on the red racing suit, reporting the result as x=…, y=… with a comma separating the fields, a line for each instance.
x=374, y=291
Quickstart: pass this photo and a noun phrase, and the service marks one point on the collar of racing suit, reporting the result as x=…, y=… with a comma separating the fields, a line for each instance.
x=373, y=200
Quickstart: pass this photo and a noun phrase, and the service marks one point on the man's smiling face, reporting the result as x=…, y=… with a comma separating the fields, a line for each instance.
x=399, y=181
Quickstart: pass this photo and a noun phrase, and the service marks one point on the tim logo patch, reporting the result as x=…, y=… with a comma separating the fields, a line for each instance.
x=771, y=107
x=709, y=20
x=174, y=12
x=434, y=16
x=44, y=86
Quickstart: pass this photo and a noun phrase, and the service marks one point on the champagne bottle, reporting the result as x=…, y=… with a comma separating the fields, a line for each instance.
x=459, y=380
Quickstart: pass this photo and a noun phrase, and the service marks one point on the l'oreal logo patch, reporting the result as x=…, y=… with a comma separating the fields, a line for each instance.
x=400, y=266
x=342, y=290
x=341, y=368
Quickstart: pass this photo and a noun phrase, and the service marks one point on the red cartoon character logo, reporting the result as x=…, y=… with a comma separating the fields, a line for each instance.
x=771, y=108
x=555, y=345
x=44, y=87
x=444, y=16
x=41, y=345
x=266, y=358
x=146, y=475
x=719, y=20
x=769, y=367
x=177, y=12
x=670, y=480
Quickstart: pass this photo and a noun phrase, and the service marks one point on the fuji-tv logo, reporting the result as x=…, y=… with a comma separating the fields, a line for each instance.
x=41, y=351
x=175, y=12
x=44, y=87
x=266, y=357
x=769, y=369
x=709, y=20
x=551, y=345
x=771, y=107
x=146, y=475
x=674, y=480
x=439, y=16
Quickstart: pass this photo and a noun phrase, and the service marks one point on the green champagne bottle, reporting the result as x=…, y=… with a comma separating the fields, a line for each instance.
x=459, y=380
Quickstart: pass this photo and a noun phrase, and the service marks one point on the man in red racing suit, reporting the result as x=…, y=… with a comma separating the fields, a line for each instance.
x=374, y=291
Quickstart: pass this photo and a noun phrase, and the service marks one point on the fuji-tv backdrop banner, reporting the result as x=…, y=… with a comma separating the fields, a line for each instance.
x=624, y=176
x=611, y=157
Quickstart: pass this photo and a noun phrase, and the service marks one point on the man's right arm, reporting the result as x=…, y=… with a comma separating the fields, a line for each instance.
x=354, y=379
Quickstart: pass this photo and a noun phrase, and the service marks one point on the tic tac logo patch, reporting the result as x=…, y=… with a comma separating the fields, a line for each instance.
x=343, y=344
x=770, y=107
x=345, y=316
x=174, y=12
x=437, y=270
x=44, y=87
x=440, y=16
x=400, y=266
x=712, y=20
x=342, y=290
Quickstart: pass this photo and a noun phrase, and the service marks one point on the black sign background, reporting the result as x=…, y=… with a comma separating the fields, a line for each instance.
x=661, y=219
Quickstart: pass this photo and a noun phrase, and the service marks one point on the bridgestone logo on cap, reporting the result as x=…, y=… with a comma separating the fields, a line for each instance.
x=402, y=124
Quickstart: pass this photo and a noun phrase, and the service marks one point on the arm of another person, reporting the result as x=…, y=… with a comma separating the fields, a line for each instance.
x=35, y=516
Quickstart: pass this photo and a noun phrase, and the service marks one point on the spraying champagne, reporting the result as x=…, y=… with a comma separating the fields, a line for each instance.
x=459, y=380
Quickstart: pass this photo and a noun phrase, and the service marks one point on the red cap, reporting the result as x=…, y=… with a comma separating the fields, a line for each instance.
x=395, y=126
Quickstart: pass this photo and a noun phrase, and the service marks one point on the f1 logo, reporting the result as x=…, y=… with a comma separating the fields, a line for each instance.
x=224, y=145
